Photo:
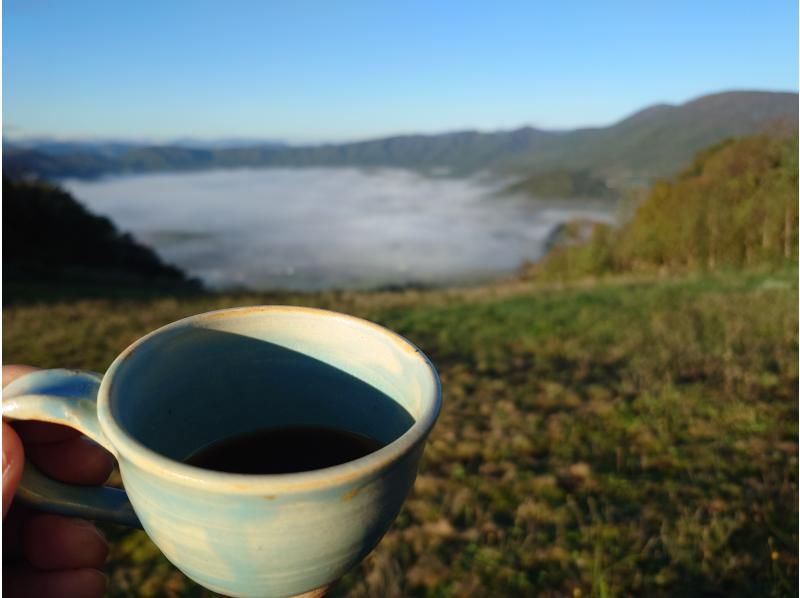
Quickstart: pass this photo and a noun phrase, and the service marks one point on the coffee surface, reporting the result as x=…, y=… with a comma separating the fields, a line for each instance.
x=284, y=450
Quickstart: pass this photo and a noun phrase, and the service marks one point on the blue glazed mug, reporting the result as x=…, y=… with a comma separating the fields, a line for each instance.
x=229, y=372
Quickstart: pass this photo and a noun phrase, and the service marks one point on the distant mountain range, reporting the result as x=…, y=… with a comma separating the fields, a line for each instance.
x=117, y=147
x=654, y=142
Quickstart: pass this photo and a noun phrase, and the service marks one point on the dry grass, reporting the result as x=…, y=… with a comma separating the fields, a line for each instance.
x=630, y=437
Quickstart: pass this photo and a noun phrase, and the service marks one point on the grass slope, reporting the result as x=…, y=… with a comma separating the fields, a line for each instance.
x=631, y=437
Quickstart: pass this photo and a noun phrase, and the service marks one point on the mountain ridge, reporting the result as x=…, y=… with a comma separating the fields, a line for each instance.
x=650, y=143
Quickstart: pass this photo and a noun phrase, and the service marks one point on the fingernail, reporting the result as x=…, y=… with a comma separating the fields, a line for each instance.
x=97, y=583
x=82, y=523
x=6, y=464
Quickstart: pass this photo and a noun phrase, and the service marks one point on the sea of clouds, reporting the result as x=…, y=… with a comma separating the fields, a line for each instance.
x=318, y=228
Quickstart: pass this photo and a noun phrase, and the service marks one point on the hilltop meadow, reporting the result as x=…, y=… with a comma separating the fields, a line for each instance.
x=621, y=420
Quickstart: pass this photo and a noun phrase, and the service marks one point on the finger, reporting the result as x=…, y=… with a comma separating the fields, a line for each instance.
x=55, y=542
x=77, y=583
x=77, y=461
x=12, y=372
x=43, y=432
x=13, y=460
x=13, y=524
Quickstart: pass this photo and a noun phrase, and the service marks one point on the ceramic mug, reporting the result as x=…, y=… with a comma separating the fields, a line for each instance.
x=225, y=373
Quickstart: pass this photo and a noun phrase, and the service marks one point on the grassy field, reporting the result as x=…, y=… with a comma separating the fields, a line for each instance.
x=613, y=438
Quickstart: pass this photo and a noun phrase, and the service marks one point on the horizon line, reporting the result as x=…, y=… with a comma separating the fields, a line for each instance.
x=237, y=141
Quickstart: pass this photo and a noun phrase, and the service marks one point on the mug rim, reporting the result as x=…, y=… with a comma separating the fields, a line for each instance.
x=154, y=462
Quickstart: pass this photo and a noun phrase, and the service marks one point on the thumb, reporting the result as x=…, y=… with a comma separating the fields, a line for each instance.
x=13, y=460
x=13, y=456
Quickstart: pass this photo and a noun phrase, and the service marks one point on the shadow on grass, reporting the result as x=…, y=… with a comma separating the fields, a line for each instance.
x=21, y=292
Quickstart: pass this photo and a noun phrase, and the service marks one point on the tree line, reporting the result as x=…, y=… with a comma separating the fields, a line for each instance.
x=736, y=205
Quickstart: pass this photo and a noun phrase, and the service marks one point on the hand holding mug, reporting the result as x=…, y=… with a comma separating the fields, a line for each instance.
x=46, y=554
x=221, y=375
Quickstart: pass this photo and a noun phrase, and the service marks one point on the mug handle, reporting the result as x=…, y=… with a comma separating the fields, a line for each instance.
x=66, y=397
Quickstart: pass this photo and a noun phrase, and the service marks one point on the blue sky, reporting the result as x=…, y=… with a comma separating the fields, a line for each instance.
x=316, y=70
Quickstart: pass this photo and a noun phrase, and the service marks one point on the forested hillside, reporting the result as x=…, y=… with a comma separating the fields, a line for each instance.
x=735, y=206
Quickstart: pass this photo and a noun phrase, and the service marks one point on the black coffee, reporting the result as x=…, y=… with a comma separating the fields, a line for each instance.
x=284, y=450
